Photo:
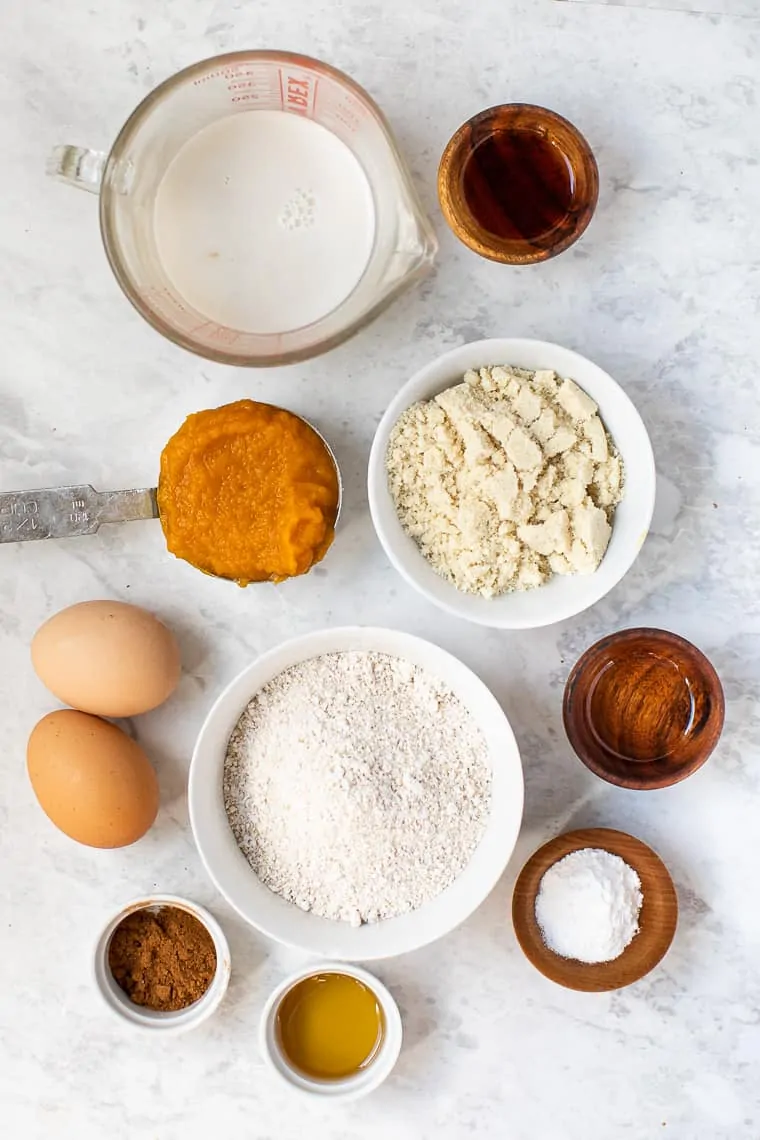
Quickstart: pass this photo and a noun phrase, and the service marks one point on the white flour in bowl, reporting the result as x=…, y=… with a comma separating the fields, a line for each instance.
x=357, y=786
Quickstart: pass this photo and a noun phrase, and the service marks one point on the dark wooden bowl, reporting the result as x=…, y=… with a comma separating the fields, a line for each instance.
x=643, y=708
x=518, y=184
x=657, y=919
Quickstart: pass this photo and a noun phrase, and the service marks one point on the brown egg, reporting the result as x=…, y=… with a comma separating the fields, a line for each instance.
x=91, y=780
x=107, y=658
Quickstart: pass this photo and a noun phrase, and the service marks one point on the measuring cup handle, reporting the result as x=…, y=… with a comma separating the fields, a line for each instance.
x=78, y=166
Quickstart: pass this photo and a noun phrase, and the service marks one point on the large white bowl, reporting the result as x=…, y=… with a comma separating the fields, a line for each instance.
x=561, y=597
x=285, y=922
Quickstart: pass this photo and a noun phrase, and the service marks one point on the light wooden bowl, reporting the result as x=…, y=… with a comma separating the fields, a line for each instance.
x=657, y=920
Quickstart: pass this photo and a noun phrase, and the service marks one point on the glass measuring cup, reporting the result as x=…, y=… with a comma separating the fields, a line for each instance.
x=128, y=177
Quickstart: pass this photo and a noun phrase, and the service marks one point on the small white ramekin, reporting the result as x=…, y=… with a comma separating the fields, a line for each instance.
x=349, y=1088
x=177, y=1021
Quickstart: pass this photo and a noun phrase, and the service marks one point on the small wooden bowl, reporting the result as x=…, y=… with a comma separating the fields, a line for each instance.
x=518, y=184
x=643, y=708
x=657, y=919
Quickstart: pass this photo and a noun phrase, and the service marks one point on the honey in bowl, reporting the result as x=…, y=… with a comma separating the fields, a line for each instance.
x=330, y=1026
x=643, y=708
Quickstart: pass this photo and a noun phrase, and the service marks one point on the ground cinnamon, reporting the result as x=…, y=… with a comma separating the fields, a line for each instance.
x=163, y=958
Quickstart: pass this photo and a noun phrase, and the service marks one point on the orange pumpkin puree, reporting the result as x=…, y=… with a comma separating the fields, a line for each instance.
x=249, y=492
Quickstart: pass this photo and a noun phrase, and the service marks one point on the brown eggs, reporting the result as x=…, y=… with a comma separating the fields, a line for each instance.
x=91, y=780
x=107, y=658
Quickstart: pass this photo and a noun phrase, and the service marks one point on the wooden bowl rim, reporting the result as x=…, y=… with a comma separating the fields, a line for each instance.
x=659, y=899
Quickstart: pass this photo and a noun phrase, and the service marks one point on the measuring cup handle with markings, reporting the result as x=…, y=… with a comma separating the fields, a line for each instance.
x=70, y=512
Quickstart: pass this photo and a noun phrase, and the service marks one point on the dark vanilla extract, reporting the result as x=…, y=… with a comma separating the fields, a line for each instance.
x=518, y=184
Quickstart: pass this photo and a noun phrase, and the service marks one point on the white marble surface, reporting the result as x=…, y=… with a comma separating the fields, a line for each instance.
x=713, y=7
x=664, y=292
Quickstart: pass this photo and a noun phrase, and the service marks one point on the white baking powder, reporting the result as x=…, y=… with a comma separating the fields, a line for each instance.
x=588, y=906
x=357, y=786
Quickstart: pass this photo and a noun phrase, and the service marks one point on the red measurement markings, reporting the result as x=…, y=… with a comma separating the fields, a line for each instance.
x=255, y=88
x=297, y=95
x=224, y=335
x=211, y=331
x=222, y=73
x=343, y=113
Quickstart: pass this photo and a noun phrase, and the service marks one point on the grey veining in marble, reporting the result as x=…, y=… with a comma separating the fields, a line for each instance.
x=664, y=292
x=709, y=7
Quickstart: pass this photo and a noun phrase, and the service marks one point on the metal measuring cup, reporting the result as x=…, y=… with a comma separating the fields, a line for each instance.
x=75, y=511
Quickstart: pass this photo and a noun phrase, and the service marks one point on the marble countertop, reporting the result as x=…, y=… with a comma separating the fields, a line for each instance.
x=664, y=292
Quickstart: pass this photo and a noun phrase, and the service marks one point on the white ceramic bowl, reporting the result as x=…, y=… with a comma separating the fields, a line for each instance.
x=174, y=1021
x=285, y=922
x=351, y=1088
x=562, y=597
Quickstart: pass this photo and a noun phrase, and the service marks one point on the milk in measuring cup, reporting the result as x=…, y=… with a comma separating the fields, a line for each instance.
x=264, y=221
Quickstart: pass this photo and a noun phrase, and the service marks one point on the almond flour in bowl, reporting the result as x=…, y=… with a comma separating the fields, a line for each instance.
x=357, y=786
x=505, y=480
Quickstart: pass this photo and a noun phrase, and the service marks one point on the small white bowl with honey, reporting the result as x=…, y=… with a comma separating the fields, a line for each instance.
x=332, y=1031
